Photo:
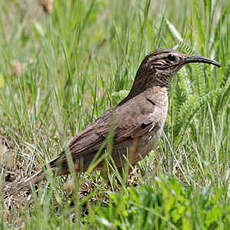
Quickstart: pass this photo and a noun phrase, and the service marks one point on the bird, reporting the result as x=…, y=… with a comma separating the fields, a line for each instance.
x=134, y=125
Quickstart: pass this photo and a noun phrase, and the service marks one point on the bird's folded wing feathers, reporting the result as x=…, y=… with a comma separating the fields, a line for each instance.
x=127, y=124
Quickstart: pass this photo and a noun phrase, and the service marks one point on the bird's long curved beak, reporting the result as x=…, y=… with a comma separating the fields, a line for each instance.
x=191, y=59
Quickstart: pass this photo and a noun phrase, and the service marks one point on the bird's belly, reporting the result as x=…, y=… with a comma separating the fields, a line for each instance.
x=146, y=144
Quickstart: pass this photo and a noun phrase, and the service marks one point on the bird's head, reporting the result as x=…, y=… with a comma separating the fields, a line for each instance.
x=159, y=66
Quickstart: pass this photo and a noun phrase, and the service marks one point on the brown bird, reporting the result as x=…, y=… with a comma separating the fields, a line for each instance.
x=135, y=124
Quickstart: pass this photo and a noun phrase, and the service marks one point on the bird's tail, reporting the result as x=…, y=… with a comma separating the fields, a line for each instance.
x=35, y=179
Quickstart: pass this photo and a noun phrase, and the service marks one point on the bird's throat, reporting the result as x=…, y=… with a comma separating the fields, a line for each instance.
x=145, y=82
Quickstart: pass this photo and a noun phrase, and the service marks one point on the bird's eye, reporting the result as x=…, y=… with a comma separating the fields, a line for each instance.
x=171, y=57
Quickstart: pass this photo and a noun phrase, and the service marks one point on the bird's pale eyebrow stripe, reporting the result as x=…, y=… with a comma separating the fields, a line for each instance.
x=156, y=58
x=159, y=56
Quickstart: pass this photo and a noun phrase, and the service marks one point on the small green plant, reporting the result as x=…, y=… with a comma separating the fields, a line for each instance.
x=166, y=204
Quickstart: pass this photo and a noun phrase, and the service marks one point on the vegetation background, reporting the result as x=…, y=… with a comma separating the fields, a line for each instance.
x=62, y=65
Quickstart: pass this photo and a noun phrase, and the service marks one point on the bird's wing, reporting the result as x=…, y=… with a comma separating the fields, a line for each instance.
x=130, y=120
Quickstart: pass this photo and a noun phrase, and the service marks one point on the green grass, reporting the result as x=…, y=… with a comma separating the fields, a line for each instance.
x=79, y=61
